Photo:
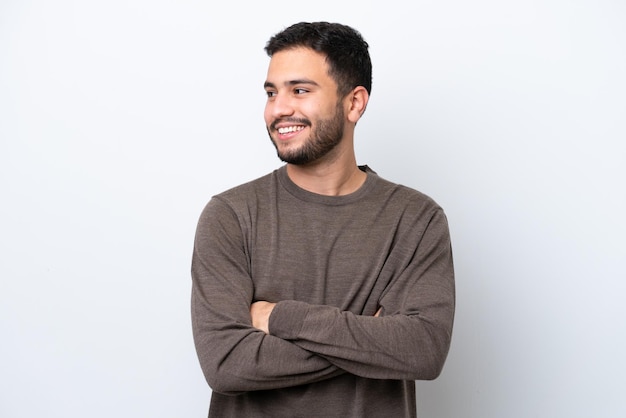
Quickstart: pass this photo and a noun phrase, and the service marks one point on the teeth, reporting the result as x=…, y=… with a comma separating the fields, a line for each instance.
x=290, y=129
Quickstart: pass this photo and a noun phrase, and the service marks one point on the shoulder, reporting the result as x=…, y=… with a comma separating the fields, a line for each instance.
x=239, y=199
x=404, y=197
x=414, y=211
x=411, y=207
x=248, y=190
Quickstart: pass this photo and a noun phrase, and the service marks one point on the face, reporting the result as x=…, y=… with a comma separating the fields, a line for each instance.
x=304, y=116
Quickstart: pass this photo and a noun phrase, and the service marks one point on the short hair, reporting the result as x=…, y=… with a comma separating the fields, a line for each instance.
x=345, y=49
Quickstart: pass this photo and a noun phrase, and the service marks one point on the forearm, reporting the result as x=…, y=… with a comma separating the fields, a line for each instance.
x=366, y=346
x=237, y=357
x=389, y=347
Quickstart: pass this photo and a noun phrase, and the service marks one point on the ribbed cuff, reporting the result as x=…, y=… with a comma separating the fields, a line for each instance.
x=287, y=319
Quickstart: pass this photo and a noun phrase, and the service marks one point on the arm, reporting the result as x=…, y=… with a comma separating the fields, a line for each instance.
x=410, y=339
x=234, y=356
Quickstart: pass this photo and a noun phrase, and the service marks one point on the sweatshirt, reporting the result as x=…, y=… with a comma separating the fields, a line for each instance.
x=330, y=263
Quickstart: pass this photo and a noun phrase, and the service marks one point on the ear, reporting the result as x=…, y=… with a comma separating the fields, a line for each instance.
x=357, y=102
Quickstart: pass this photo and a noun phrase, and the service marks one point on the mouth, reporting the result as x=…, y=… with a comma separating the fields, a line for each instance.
x=284, y=130
x=288, y=129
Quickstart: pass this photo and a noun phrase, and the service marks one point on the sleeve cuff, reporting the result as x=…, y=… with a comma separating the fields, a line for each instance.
x=287, y=319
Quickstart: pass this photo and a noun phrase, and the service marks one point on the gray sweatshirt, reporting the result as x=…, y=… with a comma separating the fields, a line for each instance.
x=330, y=263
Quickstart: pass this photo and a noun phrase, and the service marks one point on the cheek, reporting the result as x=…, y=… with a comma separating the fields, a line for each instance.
x=267, y=115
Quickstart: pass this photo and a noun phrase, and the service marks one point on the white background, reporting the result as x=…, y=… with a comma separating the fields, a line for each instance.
x=119, y=120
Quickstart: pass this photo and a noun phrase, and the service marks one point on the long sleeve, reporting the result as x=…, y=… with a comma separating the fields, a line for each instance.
x=234, y=356
x=410, y=340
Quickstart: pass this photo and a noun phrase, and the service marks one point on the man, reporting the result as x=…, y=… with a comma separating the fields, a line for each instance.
x=320, y=289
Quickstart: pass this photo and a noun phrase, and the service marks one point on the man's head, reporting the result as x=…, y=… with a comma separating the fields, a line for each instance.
x=318, y=86
x=345, y=50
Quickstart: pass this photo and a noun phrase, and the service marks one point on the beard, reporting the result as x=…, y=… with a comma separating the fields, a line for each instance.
x=327, y=134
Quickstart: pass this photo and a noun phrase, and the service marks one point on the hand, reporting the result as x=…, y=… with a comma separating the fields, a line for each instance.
x=260, y=312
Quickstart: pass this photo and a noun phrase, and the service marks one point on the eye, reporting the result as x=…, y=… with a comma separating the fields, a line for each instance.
x=270, y=94
x=300, y=91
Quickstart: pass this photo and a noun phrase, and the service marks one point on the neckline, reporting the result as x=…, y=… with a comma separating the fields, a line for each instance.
x=311, y=197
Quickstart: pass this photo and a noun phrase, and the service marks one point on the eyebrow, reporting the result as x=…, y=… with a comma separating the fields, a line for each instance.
x=268, y=84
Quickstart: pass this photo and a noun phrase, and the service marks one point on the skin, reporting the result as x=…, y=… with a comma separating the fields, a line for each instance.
x=302, y=96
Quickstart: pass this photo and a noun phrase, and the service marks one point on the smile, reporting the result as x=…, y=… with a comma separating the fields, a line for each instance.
x=289, y=129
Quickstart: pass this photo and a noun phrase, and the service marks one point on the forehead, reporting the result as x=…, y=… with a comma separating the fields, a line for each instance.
x=298, y=64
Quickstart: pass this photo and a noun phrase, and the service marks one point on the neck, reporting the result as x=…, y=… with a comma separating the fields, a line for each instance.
x=338, y=177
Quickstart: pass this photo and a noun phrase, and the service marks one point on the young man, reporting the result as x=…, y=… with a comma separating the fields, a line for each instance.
x=320, y=289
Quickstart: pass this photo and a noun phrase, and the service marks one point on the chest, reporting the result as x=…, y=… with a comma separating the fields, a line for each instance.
x=339, y=257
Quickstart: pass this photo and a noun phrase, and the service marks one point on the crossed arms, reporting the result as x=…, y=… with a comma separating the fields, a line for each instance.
x=244, y=344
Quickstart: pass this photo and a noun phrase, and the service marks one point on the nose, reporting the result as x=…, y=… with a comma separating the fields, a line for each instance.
x=280, y=106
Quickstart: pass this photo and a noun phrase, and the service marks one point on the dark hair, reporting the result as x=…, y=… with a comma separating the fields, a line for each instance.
x=345, y=49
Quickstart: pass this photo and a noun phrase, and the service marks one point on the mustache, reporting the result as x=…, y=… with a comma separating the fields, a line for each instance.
x=298, y=121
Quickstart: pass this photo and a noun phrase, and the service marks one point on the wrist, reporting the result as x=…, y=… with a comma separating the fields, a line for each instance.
x=260, y=313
